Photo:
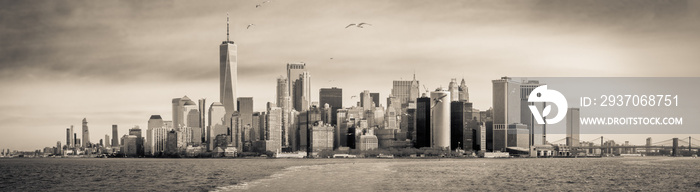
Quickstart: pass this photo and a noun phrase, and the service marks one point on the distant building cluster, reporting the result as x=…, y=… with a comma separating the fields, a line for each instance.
x=442, y=119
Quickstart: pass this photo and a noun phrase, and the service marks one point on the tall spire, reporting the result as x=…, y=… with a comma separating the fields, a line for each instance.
x=227, y=27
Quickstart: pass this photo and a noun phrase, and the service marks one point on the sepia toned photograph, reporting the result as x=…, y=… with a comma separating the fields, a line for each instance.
x=350, y=95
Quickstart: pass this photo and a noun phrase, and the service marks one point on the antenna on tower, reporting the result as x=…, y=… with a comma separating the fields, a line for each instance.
x=227, y=27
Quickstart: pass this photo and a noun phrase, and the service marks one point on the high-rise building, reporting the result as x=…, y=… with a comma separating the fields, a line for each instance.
x=422, y=138
x=440, y=119
x=171, y=142
x=536, y=131
x=299, y=83
x=390, y=118
x=156, y=136
x=273, y=128
x=245, y=108
x=305, y=121
x=106, y=141
x=136, y=131
x=375, y=98
x=454, y=90
x=202, y=118
x=72, y=138
x=366, y=100
x=506, y=110
x=130, y=145
x=462, y=136
x=463, y=91
x=217, y=124
x=406, y=91
x=283, y=102
x=115, y=136
x=321, y=137
x=185, y=113
x=573, y=127
x=334, y=98
x=69, y=137
x=228, y=73
x=86, y=134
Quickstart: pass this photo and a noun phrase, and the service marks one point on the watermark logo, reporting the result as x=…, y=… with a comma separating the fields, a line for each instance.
x=542, y=94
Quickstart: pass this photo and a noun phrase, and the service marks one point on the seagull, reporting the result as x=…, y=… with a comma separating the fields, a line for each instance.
x=353, y=96
x=260, y=5
x=250, y=25
x=438, y=100
x=352, y=24
x=362, y=24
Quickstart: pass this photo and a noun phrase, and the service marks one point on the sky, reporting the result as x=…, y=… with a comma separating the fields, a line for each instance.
x=119, y=62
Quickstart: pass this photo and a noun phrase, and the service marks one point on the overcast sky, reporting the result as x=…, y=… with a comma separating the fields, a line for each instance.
x=118, y=62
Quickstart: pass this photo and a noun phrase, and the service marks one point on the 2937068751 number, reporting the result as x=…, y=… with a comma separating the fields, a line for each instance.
x=639, y=100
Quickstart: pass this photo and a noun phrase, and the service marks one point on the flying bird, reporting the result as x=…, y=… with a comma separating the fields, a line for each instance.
x=438, y=100
x=353, y=96
x=359, y=25
x=363, y=24
x=250, y=25
x=260, y=5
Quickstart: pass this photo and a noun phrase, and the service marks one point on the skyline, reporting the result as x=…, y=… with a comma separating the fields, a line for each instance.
x=87, y=60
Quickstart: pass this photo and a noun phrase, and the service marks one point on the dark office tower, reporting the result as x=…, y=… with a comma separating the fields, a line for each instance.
x=245, y=109
x=334, y=98
x=422, y=122
x=86, y=134
x=351, y=137
x=375, y=98
x=255, y=127
x=202, y=118
x=68, y=134
x=136, y=131
x=115, y=137
x=228, y=73
x=171, y=143
x=299, y=82
x=461, y=134
x=306, y=120
x=408, y=122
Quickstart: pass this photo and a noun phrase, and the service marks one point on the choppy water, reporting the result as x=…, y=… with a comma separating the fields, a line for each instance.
x=607, y=174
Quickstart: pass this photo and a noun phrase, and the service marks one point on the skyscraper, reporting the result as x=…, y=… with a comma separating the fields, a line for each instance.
x=273, y=128
x=537, y=131
x=202, y=118
x=228, y=72
x=245, y=108
x=506, y=110
x=573, y=127
x=86, y=134
x=69, y=137
x=366, y=100
x=217, y=124
x=406, y=91
x=106, y=140
x=461, y=134
x=454, y=90
x=115, y=136
x=185, y=113
x=422, y=138
x=284, y=102
x=463, y=91
x=299, y=83
x=136, y=131
x=156, y=136
x=440, y=119
x=333, y=97
x=375, y=98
